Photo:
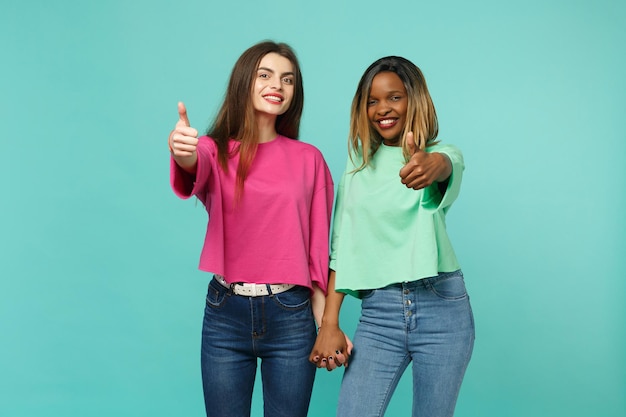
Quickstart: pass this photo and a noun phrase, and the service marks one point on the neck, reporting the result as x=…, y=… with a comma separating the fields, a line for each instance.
x=267, y=127
x=392, y=142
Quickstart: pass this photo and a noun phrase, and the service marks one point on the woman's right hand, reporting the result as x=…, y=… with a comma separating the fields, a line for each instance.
x=332, y=348
x=183, y=141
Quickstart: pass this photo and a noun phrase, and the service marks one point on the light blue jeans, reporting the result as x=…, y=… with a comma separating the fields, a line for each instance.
x=237, y=330
x=428, y=322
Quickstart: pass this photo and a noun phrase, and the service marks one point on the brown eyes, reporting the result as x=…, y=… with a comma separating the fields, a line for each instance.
x=392, y=98
x=284, y=80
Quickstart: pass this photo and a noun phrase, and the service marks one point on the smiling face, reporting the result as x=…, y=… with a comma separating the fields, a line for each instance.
x=274, y=85
x=387, y=106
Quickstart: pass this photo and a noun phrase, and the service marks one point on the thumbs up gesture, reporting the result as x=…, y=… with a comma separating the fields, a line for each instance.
x=423, y=168
x=183, y=141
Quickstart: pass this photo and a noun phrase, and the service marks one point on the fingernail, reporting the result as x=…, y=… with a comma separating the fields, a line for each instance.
x=330, y=358
x=316, y=358
x=337, y=352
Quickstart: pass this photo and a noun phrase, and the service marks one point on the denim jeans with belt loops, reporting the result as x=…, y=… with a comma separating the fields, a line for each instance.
x=237, y=330
x=428, y=322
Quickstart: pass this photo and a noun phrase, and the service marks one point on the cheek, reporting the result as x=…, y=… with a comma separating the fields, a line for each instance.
x=290, y=94
x=402, y=110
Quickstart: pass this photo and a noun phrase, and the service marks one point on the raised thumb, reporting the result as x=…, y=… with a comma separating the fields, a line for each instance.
x=182, y=113
x=410, y=143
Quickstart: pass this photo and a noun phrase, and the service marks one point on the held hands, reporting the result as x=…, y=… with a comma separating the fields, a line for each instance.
x=423, y=168
x=332, y=348
x=183, y=141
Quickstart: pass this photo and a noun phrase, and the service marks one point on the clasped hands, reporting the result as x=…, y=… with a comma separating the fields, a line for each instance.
x=332, y=348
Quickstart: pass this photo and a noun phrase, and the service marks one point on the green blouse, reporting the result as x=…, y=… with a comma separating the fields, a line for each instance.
x=385, y=233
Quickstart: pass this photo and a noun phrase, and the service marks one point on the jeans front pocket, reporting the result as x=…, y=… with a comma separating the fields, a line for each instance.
x=216, y=294
x=448, y=285
x=297, y=298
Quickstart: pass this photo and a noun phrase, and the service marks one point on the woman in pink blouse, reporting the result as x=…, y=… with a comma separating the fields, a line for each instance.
x=269, y=198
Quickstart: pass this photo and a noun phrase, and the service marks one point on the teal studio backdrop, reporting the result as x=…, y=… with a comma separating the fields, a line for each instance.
x=101, y=301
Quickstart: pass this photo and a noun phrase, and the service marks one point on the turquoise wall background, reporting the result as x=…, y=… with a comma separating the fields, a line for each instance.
x=100, y=299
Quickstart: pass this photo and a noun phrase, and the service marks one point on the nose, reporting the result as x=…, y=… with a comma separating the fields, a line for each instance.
x=276, y=83
x=382, y=108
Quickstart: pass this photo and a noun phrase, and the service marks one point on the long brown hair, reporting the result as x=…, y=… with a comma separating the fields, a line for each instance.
x=236, y=118
x=421, y=115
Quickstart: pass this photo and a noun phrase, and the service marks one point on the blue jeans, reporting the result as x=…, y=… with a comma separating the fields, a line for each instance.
x=428, y=322
x=279, y=329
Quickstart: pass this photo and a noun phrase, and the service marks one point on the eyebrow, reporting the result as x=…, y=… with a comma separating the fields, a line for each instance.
x=272, y=71
x=390, y=92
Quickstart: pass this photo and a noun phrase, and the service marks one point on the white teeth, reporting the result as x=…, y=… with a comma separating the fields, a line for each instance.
x=386, y=122
x=274, y=98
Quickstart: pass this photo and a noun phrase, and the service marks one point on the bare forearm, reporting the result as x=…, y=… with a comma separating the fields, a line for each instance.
x=333, y=303
x=318, y=302
x=446, y=167
x=188, y=163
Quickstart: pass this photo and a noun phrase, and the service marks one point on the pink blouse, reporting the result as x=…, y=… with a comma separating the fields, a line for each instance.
x=278, y=232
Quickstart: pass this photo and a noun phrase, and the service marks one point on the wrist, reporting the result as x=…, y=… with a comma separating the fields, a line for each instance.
x=169, y=142
x=329, y=323
x=446, y=167
x=189, y=164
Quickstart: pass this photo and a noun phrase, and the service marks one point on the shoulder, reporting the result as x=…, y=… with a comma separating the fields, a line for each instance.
x=444, y=148
x=209, y=145
x=301, y=148
x=453, y=152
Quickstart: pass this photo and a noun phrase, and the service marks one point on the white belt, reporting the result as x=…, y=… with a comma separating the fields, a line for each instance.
x=253, y=290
